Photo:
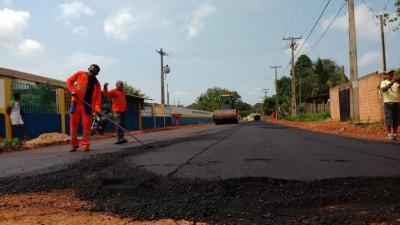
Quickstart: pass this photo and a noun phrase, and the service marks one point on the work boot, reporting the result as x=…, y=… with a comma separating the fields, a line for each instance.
x=121, y=141
x=73, y=149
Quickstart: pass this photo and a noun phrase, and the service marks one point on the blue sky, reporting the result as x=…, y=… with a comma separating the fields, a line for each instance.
x=224, y=43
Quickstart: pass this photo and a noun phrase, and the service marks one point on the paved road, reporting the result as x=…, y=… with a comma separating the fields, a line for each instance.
x=268, y=150
x=57, y=157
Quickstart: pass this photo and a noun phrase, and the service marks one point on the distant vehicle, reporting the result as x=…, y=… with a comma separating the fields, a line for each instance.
x=226, y=114
x=257, y=117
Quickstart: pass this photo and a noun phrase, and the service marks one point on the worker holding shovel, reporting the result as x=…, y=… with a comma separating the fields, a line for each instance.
x=119, y=107
x=86, y=100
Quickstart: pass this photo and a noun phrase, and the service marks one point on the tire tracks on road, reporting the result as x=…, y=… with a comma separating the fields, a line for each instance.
x=203, y=150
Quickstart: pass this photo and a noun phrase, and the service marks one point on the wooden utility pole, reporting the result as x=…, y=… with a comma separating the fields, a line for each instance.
x=167, y=95
x=355, y=106
x=276, y=88
x=162, y=54
x=342, y=74
x=382, y=21
x=293, y=108
x=265, y=97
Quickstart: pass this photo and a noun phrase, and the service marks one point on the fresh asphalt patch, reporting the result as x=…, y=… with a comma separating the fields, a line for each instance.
x=118, y=187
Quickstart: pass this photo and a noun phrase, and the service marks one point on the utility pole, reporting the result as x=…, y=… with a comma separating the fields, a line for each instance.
x=167, y=95
x=162, y=54
x=382, y=21
x=293, y=75
x=355, y=106
x=342, y=74
x=265, y=92
x=265, y=97
x=299, y=90
x=276, y=88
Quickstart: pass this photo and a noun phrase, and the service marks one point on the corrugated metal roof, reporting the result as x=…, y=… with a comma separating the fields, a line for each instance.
x=4, y=72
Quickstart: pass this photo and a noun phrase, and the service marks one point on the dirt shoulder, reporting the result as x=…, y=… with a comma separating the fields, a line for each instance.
x=61, y=207
x=374, y=132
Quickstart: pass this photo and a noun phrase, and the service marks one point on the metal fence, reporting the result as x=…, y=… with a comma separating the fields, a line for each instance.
x=40, y=98
x=67, y=100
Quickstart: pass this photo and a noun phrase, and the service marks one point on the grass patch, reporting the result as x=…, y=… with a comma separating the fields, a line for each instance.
x=11, y=143
x=308, y=117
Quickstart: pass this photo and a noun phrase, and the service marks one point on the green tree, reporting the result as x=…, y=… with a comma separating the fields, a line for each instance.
x=306, y=79
x=131, y=90
x=397, y=72
x=244, y=108
x=395, y=18
x=209, y=101
x=284, y=95
x=329, y=75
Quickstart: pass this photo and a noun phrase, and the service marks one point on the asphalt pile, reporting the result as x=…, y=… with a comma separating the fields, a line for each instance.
x=116, y=187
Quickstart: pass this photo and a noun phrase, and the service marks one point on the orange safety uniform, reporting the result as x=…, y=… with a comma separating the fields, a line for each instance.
x=78, y=83
x=118, y=99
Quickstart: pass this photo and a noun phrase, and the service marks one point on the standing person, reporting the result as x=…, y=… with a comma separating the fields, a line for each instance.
x=119, y=107
x=15, y=113
x=83, y=86
x=390, y=88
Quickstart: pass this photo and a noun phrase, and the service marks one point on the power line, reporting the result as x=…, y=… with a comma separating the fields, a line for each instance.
x=315, y=14
x=309, y=34
x=369, y=8
x=313, y=28
x=327, y=28
x=300, y=17
x=292, y=18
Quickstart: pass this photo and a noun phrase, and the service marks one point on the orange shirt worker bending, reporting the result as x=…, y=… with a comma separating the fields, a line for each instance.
x=83, y=86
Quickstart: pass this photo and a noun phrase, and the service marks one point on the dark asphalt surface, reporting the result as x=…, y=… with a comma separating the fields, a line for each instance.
x=237, y=166
x=259, y=149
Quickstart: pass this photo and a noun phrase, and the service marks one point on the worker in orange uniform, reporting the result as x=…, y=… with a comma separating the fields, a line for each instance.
x=119, y=107
x=83, y=86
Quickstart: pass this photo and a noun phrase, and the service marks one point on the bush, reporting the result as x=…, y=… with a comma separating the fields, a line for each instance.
x=11, y=143
x=308, y=117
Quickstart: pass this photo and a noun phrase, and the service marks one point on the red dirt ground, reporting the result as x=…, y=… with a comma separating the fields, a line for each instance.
x=62, y=208
x=364, y=131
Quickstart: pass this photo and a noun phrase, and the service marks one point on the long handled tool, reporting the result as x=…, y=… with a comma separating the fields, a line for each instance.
x=146, y=146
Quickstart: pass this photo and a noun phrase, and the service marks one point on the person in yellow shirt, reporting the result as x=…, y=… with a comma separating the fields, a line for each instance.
x=390, y=88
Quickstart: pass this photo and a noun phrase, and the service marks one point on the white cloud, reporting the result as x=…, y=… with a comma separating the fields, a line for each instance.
x=166, y=23
x=80, y=30
x=8, y=3
x=81, y=60
x=74, y=10
x=196, y=25
x=29, y=47
x=366, y=26
x=369, y=58
x=118, y=26
x=12, y=23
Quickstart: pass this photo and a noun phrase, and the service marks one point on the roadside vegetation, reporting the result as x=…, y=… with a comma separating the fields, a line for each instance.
x=209, y=101
x=313, y=78
x=10, y=143
x=308, y=117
